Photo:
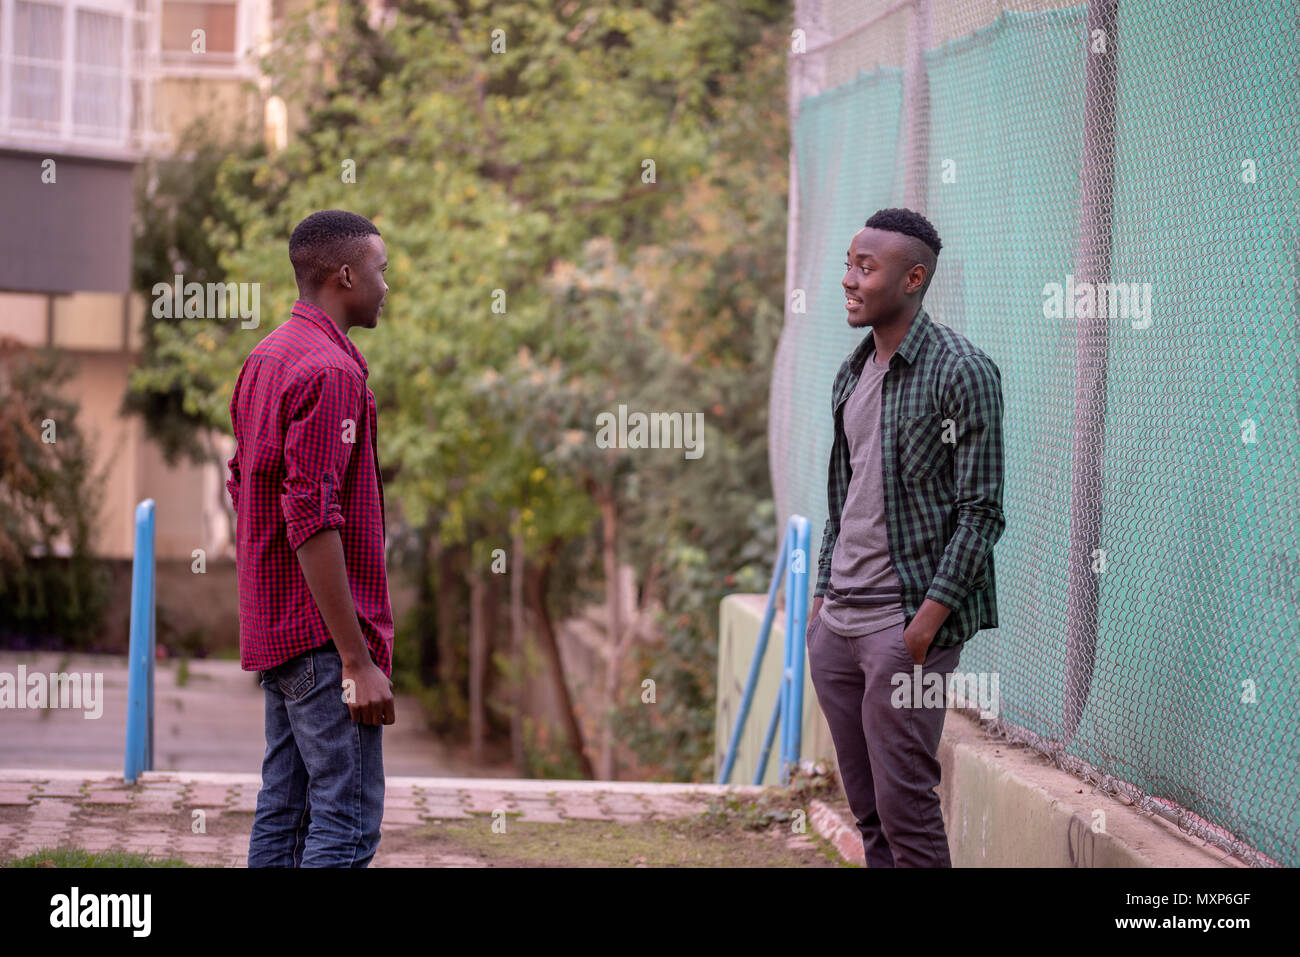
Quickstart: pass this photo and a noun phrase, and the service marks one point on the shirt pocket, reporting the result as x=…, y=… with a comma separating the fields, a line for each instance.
x=921, y=449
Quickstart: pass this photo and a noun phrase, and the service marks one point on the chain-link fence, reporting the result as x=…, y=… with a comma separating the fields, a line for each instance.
x=1116, y=188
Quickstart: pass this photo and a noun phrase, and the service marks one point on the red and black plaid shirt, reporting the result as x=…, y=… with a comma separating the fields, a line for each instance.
x=305, y=459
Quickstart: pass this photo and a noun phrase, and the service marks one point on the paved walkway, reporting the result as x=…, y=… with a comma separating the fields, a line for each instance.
x=205, y=818
x=211, y=721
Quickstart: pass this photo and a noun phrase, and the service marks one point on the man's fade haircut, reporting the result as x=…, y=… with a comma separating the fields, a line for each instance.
x=324, y=241
x=909, y=223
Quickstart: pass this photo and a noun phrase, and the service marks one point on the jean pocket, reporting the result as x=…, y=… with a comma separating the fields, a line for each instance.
x=920, y=445
x=296, y=676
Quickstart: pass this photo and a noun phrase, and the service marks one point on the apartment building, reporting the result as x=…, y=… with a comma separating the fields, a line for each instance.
x=88, y=88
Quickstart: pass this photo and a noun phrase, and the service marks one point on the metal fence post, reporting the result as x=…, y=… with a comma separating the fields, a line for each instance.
x=139, y=715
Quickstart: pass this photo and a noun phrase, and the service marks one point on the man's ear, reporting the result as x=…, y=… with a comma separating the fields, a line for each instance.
x=345, y=276
x=925, y=274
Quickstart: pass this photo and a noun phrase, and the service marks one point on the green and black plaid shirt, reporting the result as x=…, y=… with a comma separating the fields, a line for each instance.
x=941, y=454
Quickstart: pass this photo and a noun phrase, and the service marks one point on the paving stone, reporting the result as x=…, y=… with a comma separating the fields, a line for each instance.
x=443, y=812
x=107, y=797
x=541, y=814
x=198, y=844
x=55, y=824
x=627, y=818
x=582, y=810
x=207, y=795
x=404, y=803
x=665, y=806
x=623, y=803
x=14, y=798
x=153, y=836
x=160, y=794
x=402, y=816
x=97, y=832
x=485, y=802
x=153, y=807
x=60, y=789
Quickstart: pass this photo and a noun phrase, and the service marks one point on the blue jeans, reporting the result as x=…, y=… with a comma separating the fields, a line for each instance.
x=322, y=795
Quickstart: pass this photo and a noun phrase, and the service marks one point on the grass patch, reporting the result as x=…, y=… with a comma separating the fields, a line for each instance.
x=78, y=857
x=607, y=844
x=775, y=806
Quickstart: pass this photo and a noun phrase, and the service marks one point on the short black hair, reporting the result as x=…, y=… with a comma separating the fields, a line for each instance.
x=908, y=222
x=324, y=241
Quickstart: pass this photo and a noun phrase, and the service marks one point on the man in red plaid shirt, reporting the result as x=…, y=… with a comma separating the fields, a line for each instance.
x=314, y=615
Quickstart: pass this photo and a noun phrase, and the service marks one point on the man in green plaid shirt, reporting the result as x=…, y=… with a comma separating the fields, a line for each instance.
x=914, y=494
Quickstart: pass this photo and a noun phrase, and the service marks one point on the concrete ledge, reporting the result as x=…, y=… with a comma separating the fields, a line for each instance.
x=1006, y=805
x=506, y=785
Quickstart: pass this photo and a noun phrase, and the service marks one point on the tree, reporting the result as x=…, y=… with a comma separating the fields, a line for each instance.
x=49, y=502
x=490, y=161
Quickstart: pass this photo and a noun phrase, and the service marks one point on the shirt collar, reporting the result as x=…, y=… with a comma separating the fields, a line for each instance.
x=916, y=336
x=321, y=319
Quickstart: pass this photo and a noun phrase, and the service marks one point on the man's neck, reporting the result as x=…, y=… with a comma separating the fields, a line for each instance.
x=889, y=336
x=331, y=309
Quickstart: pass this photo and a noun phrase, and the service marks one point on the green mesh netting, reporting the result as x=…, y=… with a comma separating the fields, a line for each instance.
x=1162, y=451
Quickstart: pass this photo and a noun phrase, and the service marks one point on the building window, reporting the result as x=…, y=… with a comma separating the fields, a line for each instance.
x=36, y=101
x=97, y=104
x=74, y=72
x=218, y=19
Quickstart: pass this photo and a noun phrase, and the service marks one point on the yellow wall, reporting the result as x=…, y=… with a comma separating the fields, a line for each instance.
x=22, y=317
x=88, y=330
x=740, y=617
x=226, y=102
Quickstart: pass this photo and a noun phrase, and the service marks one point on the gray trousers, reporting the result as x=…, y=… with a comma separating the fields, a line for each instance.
x=887, y=755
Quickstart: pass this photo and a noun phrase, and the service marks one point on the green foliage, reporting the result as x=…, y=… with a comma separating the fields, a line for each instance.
x=776, y=805
x=79, y=857
x=180, y=223
x=50, y=583
x=537, y=278
x=547, y=753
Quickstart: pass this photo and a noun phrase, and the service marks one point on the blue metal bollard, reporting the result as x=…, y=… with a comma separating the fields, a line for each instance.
x=796, y=599
x=139, y=715
x=787, y=711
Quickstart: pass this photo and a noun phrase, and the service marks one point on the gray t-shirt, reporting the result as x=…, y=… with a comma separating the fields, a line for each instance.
x=865, y=595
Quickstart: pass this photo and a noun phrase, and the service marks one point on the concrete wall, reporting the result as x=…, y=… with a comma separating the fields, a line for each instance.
x=737, y=637
x=227, y=102
x=1004, y=805
x=98, y=334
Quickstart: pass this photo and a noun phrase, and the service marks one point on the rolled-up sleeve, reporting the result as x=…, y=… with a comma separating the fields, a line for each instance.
x=232, y=483
x=323, y=412
x=974, y=403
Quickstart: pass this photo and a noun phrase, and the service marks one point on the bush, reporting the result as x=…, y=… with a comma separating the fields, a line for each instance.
x=51, y=587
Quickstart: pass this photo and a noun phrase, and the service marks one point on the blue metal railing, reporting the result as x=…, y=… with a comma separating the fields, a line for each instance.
x=787, y=712
x=139, y=715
